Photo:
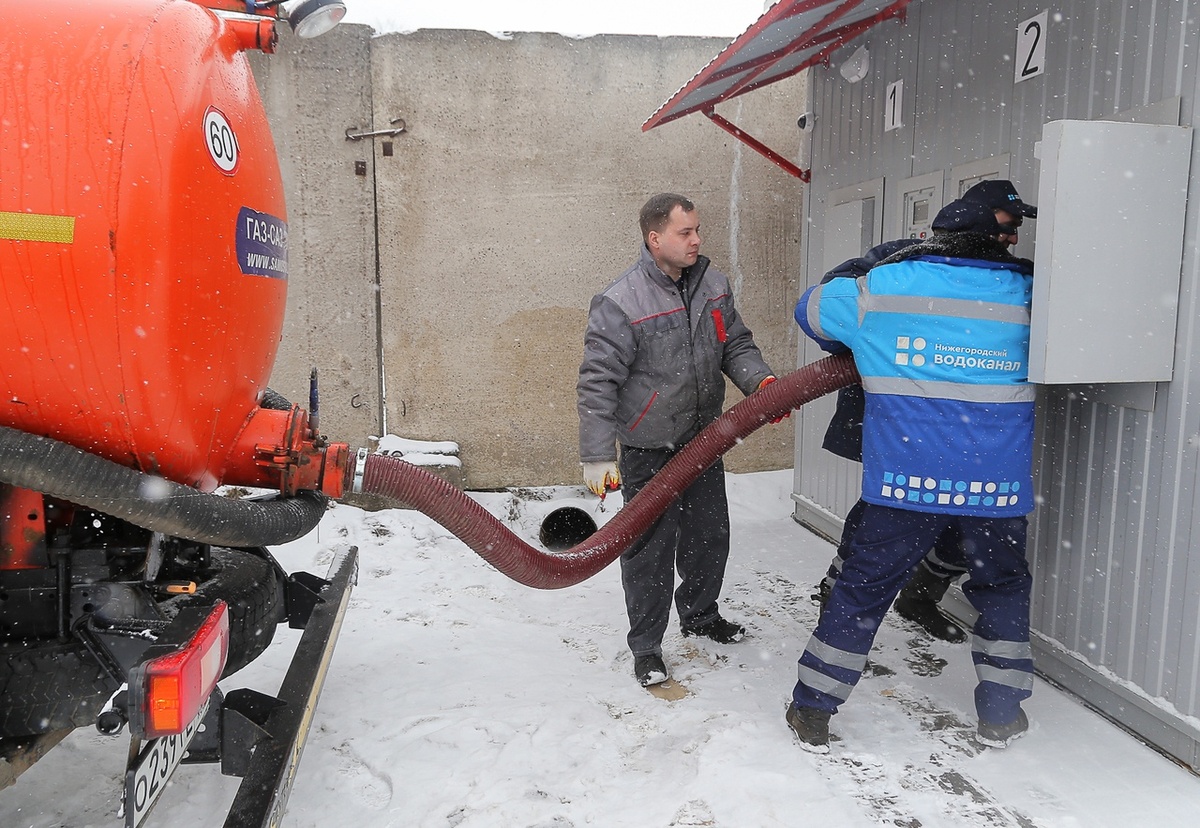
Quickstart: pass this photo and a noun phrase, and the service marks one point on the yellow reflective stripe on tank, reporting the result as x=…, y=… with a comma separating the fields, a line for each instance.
x=37, y=227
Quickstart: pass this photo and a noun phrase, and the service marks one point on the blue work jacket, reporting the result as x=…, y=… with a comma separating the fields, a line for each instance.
x=940, y=336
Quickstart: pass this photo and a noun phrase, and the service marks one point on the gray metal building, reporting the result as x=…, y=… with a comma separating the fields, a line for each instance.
x=1089, y=108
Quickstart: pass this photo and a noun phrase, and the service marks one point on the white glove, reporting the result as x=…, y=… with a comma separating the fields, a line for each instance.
x=602, y=477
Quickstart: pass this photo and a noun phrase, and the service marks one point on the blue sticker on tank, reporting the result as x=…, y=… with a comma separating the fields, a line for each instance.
x=261, y=244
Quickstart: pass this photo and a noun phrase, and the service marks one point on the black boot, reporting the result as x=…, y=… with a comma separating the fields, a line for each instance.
x=918, y=602
x=811, y=726
x=1001, y=736
x=821, y=596
x=649, y=669
x=718, y=629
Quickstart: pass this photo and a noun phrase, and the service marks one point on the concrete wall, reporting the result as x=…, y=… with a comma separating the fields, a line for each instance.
x=313, y=90
x=509, y=201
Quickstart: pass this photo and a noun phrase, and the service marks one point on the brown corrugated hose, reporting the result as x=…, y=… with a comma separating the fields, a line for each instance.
x=393, y=478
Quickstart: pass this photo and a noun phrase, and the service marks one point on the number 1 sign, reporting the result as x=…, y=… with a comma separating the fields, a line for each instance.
x=893, y=106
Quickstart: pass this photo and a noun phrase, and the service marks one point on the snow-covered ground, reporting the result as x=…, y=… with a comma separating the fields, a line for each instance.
x=459, y=698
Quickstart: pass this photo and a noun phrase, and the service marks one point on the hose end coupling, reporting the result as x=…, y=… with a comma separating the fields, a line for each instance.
x=360, y=469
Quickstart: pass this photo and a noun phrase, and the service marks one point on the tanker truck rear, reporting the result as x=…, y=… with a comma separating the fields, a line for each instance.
x=143, y=276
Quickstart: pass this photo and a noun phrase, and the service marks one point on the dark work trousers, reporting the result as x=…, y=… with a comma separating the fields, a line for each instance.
x=843, y=437
x=888, y=543
x=692, y=536
x=945, y=559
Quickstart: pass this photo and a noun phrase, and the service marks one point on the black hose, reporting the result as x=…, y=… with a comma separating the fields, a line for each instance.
x=275, y=401
x=67, y=473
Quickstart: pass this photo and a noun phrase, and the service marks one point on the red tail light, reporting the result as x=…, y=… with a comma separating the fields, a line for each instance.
x=175, y=686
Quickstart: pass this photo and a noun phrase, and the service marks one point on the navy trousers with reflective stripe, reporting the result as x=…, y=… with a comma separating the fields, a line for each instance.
x=888, y=543
x=692, y=536
x=944, y=559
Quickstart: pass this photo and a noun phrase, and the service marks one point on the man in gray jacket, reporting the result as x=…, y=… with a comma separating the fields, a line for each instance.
x=658, y=342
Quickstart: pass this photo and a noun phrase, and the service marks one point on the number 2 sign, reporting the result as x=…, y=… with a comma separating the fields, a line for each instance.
x=1031, y=48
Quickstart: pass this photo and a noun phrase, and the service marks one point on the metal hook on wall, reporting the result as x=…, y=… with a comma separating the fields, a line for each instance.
x=398, y=128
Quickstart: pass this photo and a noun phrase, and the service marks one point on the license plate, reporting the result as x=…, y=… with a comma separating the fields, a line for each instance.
x=147, y=779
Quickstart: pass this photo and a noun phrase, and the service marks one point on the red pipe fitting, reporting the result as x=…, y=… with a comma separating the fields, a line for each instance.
x=277, y=449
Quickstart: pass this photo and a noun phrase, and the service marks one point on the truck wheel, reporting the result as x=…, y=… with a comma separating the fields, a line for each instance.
x=50, y=687
x=253, y=588
x=46, y=685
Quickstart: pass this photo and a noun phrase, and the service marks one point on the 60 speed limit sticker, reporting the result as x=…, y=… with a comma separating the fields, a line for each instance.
x=221, y=141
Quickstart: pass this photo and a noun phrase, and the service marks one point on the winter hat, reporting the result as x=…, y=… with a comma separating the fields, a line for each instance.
x=1000, y=194
x=962, y=216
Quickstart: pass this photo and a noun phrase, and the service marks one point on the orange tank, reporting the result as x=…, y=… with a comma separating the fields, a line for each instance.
x=143, y=238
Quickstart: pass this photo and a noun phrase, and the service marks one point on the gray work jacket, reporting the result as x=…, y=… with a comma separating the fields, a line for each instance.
x=652, y=362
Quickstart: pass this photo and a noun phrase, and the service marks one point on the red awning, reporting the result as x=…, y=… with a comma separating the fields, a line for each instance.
x=790, y=36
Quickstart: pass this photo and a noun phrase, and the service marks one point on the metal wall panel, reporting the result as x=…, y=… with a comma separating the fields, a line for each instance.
x=960, y=109
x=1117, y=577
x=847, y=149
x=1116, y=604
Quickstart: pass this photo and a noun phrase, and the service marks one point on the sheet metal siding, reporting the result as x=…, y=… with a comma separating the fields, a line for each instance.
x=847, y=149
x=1117, y=580
x=961, y=112
x=822, y=477
x=1186, y=400
x=1179, y=432
x=1087, y=551
x=1183, y=415
x=851, y=149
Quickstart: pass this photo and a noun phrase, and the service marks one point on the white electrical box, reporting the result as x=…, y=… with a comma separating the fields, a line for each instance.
x=1111, y=204
x=919, y=211
x=914, y=203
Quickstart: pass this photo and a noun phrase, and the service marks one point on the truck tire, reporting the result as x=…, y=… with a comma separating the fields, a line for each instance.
x=253, y=588
x=50, y=686
x=47, y=686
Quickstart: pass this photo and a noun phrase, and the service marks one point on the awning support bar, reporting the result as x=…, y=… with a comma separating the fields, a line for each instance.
x=758, y=146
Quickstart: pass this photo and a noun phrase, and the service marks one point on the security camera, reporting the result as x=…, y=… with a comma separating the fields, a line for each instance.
x=805, y=121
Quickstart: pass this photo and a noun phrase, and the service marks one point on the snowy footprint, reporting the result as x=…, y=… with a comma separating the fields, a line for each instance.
x=368, y=786
x=693, y=814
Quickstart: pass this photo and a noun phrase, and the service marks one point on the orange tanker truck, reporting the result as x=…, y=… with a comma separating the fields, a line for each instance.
x=143, y=265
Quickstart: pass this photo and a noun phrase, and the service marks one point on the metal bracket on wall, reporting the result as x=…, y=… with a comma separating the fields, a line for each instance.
x=758, y=146
x=398, y=127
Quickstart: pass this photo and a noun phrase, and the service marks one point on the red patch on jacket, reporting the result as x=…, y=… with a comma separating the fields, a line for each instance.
x=719, y=321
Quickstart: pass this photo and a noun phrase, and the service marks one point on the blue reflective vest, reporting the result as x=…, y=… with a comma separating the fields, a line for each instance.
x=942, y=345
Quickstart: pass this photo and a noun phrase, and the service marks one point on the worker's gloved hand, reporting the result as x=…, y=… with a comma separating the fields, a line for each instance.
x=763, y=385
x=602, y=477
